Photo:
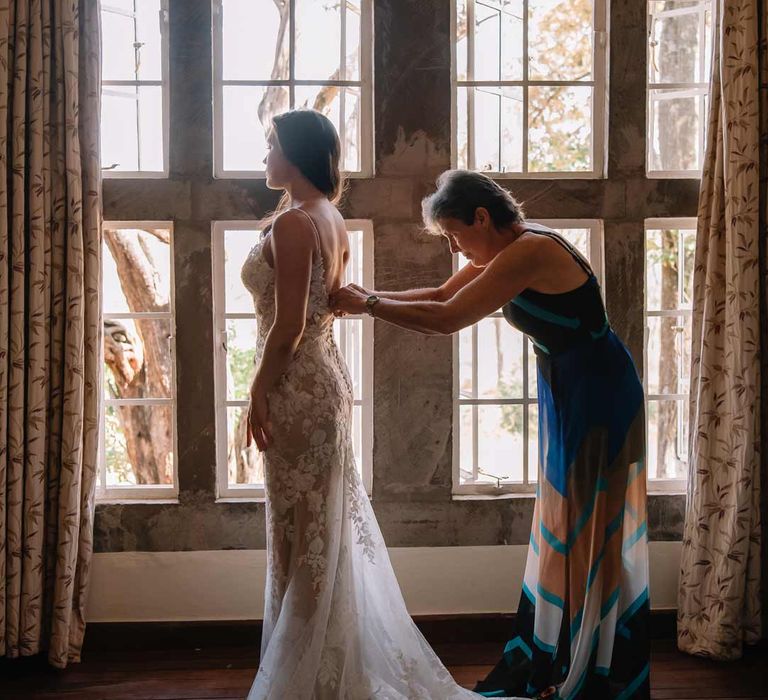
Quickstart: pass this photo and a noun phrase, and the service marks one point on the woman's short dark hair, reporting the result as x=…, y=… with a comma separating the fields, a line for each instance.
x=310, y=141
x=459, y=194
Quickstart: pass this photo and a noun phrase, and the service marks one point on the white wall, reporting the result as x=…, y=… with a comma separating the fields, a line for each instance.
x=229, y=585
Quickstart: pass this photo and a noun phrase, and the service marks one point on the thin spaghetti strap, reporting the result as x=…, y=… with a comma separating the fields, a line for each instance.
x=315, y=229
x=575, y=254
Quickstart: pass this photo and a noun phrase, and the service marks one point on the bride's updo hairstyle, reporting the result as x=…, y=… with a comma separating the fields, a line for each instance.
x=460, y=192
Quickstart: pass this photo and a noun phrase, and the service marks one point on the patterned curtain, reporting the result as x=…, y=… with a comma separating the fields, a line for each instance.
x=50, y=214
x=719, y=595
x=762, y=13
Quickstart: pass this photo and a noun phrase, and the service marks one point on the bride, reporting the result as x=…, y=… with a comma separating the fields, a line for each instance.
x=335, y=623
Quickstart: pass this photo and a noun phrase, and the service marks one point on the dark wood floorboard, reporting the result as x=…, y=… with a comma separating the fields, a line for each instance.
x=225, y=673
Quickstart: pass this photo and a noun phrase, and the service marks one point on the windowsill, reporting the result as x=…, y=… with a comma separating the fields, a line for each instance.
x=261, y=175
x=134, y=175
x=242, y=499
x=137, y=501
x=262, y=499
x=544, y=175
x=506, y=496
x=490, y=497
x=672, y=175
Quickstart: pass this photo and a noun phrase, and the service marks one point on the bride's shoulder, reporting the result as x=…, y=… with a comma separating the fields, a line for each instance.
x=293, y=220
x=293, y=228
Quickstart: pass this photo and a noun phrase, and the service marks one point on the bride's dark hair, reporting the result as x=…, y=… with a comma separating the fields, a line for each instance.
x=310, y=142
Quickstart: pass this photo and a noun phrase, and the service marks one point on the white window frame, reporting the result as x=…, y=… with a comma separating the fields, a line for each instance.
x=657, y=485
x=138, y=493
x=599, y=84
x=676, y=91
x=163, y=83
x=365, y=83
x=459, y=490
x=227, y=492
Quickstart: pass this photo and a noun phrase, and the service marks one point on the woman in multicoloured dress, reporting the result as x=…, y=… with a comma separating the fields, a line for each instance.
x=581, y=627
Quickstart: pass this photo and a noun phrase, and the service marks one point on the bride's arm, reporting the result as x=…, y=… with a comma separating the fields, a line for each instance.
x=293, y=244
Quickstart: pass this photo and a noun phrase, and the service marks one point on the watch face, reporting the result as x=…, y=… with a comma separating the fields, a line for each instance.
x=370, y=302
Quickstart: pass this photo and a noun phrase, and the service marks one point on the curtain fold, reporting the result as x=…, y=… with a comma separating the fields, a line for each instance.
x=719, y=606
x=50, y=329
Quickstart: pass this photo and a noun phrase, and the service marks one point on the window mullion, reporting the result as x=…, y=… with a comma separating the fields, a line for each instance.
x=136, y=60
x=526, y=410
x=526, y=85
x=292, y=54
x=475, y=421
x=470, y=92
x=103, y=448
x=343, y=91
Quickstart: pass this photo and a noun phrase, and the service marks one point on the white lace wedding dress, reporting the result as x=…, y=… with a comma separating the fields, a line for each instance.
x=335, y=623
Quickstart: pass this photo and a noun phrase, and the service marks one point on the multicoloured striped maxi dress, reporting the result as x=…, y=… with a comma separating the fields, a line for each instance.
x=581, y=631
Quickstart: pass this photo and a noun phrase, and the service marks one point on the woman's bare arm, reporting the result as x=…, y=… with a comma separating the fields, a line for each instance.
x=509, y=273
x=442, y=293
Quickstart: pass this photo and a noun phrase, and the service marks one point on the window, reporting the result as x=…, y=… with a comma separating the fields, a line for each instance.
x=529, y=87
x=134, y=95
x=669, y=258
x=270, y=57
x=138, y=423
x=495, y=412
x=679, y=59
x=240, y=469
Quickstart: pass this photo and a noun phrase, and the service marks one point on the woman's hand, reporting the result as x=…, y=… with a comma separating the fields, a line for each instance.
x=259, y=427
x=349, y=300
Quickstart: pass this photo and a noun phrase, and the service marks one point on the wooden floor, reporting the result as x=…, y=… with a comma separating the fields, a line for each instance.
x=218, y=673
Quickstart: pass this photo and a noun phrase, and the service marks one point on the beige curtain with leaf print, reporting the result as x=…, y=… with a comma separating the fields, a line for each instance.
x=719, y=594
x=762, y=13
x=49, y=321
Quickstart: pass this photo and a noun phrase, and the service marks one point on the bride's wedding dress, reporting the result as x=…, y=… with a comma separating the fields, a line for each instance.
x=335, y=623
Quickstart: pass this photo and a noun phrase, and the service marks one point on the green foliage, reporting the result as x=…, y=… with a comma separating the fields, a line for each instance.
x=241, y=365
x=115, y=450
x=511, y=415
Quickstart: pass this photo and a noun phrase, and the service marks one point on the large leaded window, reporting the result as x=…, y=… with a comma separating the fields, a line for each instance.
x=270, y=57
x=495, y=413
x=138, y=423
x=679, y=59
x=529, y=87
x=239, y=468
x=134, y=94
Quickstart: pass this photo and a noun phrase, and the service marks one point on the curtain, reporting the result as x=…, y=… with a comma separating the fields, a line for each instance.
x=762, y=14
x=50, y=212
x=719, y=593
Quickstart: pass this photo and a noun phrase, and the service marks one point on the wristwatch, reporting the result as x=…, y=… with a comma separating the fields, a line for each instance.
x=370, y=302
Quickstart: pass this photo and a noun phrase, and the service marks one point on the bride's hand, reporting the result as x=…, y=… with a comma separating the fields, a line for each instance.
x=349, y=300
x=259, y=427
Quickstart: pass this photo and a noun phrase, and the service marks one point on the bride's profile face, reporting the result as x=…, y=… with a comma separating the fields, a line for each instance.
x=278, y=168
